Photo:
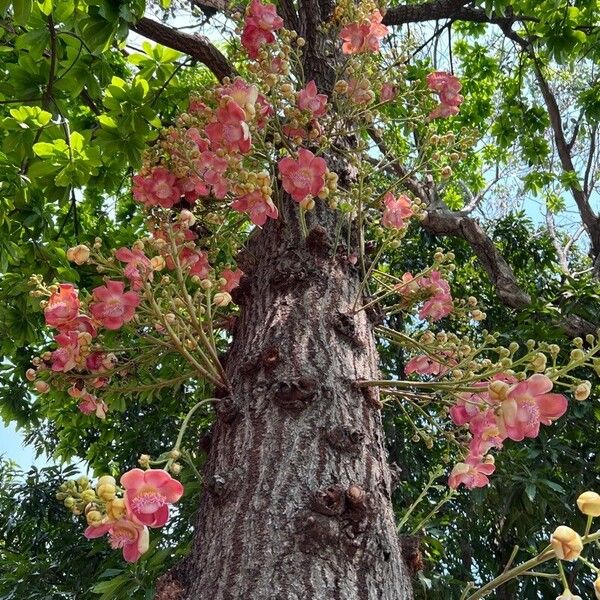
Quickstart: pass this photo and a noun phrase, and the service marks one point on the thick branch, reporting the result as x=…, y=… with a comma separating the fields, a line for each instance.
x=196, y=46
x=589, y=218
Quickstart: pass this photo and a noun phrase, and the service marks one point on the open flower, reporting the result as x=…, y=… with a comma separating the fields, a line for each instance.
x=232, y=279
x=258, y=207
x=396, y=210
x=304, y=176
x=113, y=306
x=160, y=188
x=365, y=36
x=261, y=21
x=63, y=306
x=123, y=533
x=148, y=494
x=230, y=131
x=138, y=267
x=473, y=473
x=309, y=99
x=529, y=404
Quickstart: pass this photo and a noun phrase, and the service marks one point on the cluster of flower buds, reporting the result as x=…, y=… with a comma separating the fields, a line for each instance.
x=124, y=512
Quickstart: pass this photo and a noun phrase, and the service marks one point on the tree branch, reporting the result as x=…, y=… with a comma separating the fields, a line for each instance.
x=589, y=218
x=196, y=46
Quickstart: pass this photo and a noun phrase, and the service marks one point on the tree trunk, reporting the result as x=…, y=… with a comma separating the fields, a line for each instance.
x=297, y=498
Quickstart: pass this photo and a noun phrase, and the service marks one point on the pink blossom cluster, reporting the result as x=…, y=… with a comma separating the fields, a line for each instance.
x=304, y=176
x=447, y=87
x=435, y=288
x=365, y=36
x=110, y=307
x=504, y=409
x=147, y=495
x=212, y=147
x=260, y=23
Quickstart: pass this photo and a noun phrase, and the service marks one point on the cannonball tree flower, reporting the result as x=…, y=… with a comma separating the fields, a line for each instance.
x=232, y=279
x=396, y=210
x=196, y=261
x=566, y=543
x=258, y=207
x=473, y=473
x=230, y=130
x=148, y=494
x=264, y=16
x=159, y=188
x=73, y=348
x=424, y=365
x=437, y=307
x=132, y=537
x=138, y=268
x=304, y=176
x=91, y=404
x=62, y=307
x=365, y=36
x=388, y=92
x=253, y=38
x=529, y=404
x=112, y=305
x=211, y=169
x=310, y=100
x=242, y=93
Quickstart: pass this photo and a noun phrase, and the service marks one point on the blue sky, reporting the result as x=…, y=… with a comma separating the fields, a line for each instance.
x=12, y=446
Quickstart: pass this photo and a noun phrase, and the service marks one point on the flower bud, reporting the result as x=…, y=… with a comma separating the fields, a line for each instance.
x=175, y=468
x=566, y=543
x=221, y=299
x=583, y=391
x=116, y=509
x=589, y=504
x=538, y=362
x=94, y=518
x=187, y=217
x=577, y=355
x=78, y=254
x=597, y=588
x=144, y=460
x=69, y=502
x=157, y=263
x=498, y=390
x=41, y=386
x=88, y=495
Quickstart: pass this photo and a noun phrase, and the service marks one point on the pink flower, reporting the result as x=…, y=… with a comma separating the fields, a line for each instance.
x=211, y=168
x=138, y=267
x=73, y=347
x=435, y=283
x=424, y=365
x=447, y=86
x=148, y=494
x=363, y=37
x=258, y=207
x=408, y=285
x=443, y=111
x=388, y=92
x=90, y=404
x=80, y=323
x=396, y=210
x=359, y=91
x=529, y=404
x=472, y=474
x=124, y=533
x=230, y=131
x=304, y=176
x=243, y=94
x=310, y=100
x=113, y=306
x=62, y=307
x=232, y=279
x=254, y=37
x=261, y=21
x=159, y=188
x=437, y=307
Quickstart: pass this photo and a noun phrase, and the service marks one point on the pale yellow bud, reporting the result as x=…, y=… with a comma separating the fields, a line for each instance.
x=187, y=218
x=157, y=263
x=498, y=390
x=589, y=504
x=478, y=315
x=94, y=518
x=577, y=355
x=30, y=374
x=78, y=254
x=116, y=509
x=597, y=588
x=583, y=391
x=144, y=460
x=538, y=362
x=106, y=492
x=566, y=543
x=88, y=495
x=221, y=299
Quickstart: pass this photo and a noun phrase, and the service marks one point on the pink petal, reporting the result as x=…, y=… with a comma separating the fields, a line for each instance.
x=133, y=479
x=538, y=384
x=552, y=406
x=156, y=477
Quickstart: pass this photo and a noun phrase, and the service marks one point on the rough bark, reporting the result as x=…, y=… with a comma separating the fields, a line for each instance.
x=297, y=499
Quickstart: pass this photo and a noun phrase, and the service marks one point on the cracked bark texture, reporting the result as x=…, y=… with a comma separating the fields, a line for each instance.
x=297, y=499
